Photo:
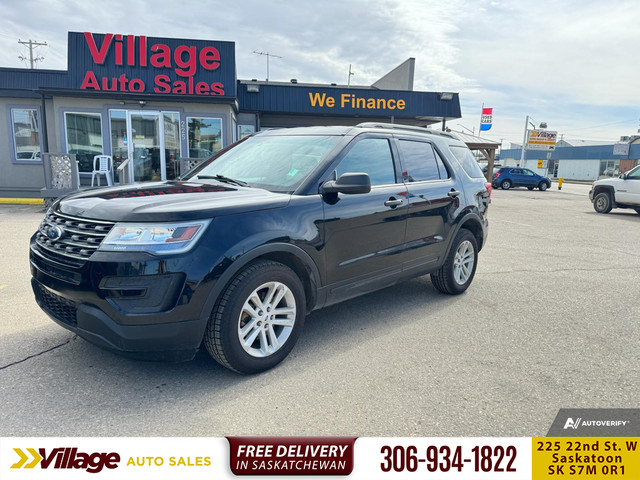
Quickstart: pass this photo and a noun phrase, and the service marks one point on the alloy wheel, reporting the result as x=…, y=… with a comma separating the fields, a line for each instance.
x=463, y=262
x=267, y=319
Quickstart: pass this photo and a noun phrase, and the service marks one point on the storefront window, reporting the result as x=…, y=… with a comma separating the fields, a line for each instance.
x=609, y=168
x=245, y=131
x=84, y=137
x=205, y=136
x=26, y=133
x=172, y=143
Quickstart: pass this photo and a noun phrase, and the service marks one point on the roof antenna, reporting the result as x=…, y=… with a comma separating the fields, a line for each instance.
x=267, y=55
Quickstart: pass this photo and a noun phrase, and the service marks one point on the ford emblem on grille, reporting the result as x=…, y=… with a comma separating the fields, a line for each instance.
x=53, y=232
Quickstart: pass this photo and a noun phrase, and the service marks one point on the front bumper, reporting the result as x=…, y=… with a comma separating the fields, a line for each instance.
x=591, y=195
x=175, y=341
x=118, y=306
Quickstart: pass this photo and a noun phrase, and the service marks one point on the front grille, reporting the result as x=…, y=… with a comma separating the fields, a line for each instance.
x=80, y=238
x=60, y=308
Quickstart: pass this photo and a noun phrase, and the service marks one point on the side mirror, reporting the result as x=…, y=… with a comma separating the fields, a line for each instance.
x=623, y=176
x=350, y=183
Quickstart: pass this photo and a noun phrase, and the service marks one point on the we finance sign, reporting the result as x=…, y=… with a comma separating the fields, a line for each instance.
x=110, y=62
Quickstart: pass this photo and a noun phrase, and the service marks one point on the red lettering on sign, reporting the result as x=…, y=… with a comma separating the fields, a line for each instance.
x=202, y=88
x=143, y=51
x=90, y=81
x=131, y=50
x=162, y=84
x=163, y=58
x=217, y=88
x=100, y=55
x=184, y=60
x=118, y=47
x=190, y=62
x=210, y=58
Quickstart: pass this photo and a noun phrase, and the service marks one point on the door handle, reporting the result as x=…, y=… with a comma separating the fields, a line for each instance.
x=453, y=193
x=393, y=202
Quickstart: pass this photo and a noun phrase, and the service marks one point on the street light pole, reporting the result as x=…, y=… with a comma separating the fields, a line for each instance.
x=524, y=141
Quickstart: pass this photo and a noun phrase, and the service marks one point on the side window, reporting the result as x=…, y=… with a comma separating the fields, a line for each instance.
x=371, y=156
x=418, y=161
x=467, y=160
x=527, y=172
x=634, y=174
x=442, y=168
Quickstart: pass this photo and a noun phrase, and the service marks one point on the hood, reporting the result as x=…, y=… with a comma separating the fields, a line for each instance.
x=169, y=201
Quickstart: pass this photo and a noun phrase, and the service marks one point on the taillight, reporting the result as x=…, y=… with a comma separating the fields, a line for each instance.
x=489, y=188
x=496, y=175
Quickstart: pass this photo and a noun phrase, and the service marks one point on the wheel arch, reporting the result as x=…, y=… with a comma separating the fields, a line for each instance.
x=605, y=188
x=290, y=255
x=472, y=221
x=474, y=225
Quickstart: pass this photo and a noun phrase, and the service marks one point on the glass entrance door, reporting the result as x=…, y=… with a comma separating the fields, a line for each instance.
x=145, y=146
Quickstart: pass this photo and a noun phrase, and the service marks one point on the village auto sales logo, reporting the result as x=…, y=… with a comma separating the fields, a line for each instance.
x=175, y=66
x=66, y=458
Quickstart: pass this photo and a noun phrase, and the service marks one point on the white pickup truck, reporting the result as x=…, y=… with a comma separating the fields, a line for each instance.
x=620, y=192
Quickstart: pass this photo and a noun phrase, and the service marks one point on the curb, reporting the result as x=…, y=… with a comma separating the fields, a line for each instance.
x=21, y=201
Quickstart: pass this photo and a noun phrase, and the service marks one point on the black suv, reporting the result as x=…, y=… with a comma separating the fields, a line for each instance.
x=238, y=251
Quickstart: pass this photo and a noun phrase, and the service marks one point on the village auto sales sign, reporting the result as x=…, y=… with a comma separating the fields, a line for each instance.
x=139, y=64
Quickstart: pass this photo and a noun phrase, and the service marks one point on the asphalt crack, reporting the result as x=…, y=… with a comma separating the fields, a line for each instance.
x=35, y=355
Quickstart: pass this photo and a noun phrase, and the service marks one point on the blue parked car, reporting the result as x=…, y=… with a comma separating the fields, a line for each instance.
x=508, y=177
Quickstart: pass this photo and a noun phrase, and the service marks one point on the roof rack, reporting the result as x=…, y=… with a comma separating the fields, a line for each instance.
x=397, y=126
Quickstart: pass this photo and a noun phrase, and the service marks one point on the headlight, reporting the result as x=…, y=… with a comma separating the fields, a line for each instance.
x=157, y=238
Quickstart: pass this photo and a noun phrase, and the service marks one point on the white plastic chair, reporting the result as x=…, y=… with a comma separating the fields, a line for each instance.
x=102, y=165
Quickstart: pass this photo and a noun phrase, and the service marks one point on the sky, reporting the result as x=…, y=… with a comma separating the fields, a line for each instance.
x=571, y=64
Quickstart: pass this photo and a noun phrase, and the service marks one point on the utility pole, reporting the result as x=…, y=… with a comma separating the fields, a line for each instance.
x=32, y=44
x=267, y=54
x=349, y=78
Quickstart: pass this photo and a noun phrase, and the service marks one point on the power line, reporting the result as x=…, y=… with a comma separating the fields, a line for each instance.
x=603, y=125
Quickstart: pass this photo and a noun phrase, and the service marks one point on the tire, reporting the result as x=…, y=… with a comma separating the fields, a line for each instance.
x=543, y=186
x=459, y=268
x=530, y=188
x=243, y=333
x=602, y=202
x=505, y=185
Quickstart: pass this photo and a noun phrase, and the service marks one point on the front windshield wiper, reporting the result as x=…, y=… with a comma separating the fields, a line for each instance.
x=222, y=178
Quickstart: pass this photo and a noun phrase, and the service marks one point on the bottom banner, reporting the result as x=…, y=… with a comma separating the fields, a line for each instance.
x=321, y=457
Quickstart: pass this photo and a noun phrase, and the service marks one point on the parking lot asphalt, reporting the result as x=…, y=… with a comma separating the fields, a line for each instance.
x=551, y=321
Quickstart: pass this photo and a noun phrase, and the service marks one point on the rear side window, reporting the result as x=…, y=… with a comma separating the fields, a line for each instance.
x=419, y=162
x=467, y=160
x=371, y=156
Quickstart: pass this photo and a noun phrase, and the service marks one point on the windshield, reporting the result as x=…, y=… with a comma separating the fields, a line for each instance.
x=278, y=163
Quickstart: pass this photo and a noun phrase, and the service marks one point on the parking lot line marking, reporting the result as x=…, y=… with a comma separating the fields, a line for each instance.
x=3, y=286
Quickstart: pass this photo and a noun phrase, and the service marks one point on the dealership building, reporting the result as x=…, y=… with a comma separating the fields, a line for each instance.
x=153, y=101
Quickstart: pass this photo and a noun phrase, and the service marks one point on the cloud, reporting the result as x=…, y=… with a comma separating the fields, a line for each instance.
x=571, y=63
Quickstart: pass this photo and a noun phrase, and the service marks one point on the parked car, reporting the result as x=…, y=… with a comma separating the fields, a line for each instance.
x=485, y=168
x=620, y=192
x=235, y=255
x=508, y=177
